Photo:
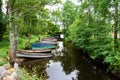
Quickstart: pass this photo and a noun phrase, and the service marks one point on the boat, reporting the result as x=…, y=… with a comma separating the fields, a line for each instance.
x=33, y=55
x=49, y=39
x=45, y=47
x=37, y=46
x=49, y=42
x=37, y=51
x=55, y=36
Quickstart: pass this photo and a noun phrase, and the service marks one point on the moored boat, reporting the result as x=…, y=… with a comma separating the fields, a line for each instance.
x=37, y=46
x=37, y=51
x=49, y=42
x=49, y=39
x=33, y=55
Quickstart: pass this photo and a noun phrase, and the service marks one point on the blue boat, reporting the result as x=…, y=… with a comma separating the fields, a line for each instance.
x=42, y=46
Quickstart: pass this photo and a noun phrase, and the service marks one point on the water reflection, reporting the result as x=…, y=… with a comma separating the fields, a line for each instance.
x=60, y=48
x=60, y=45
x=55, y=72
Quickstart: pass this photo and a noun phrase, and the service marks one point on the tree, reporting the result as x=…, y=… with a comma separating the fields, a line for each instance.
x=109, y=11
x=12, y=11
x=13, y=45
x=91, y=30
x=116, y=23
x=68, y=14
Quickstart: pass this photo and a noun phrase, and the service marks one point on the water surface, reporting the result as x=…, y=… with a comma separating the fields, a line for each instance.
x=67, y=64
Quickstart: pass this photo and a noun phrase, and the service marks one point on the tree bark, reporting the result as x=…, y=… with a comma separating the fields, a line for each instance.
x=12, y=34
x=116, y=26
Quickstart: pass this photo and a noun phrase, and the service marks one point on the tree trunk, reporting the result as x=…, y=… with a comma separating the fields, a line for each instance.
x=12, y=35
x=12, y=43
x=116, y=26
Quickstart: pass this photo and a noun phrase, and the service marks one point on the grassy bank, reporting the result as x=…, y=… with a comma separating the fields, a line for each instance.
x=23, y=40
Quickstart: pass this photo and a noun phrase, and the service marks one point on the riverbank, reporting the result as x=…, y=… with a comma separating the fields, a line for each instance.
x=4, y=50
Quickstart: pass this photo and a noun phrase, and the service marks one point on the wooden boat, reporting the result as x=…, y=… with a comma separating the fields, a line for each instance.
x=37, y=46
x=33, y=55
x=49, y=39
x=49, y=42
x=36, y=51
x=55, y=36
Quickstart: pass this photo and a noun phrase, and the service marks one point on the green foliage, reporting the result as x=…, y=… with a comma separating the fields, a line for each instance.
x=113, y=59
x=68, y=15
x=31, y=16
x=103, y=7
x=91, y=31
x=52, y=29
x=90, y=35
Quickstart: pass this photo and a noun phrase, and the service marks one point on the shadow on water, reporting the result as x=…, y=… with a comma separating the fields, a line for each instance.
x=68, y=64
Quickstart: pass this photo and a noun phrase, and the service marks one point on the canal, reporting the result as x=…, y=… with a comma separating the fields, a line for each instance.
x=68, y=63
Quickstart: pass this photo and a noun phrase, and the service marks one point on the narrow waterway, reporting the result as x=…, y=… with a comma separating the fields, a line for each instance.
x=67, y=64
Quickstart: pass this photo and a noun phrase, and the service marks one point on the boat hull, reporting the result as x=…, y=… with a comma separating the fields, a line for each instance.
x=36, y=51
x=34, y=55
x=38, y=46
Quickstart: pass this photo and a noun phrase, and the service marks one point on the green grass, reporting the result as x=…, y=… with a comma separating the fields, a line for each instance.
x=23, y=40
